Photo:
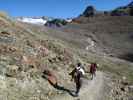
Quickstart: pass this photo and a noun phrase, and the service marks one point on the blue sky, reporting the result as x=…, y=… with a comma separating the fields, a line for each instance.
x=56, y=8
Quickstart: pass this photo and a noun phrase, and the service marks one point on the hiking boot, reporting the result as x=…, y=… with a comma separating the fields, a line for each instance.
x=76, y=94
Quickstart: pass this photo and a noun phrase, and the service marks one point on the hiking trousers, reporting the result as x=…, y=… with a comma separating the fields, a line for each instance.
x=93, y=75
x=78, y=86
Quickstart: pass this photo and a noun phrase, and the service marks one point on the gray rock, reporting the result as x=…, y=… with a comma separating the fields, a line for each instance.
x=7, y=39
x=130, y=88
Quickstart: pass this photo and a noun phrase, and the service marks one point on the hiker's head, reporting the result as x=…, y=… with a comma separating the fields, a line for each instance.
x=78, y=67
x=79, y=64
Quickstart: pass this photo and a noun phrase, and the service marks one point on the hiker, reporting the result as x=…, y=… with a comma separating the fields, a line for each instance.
x=76, y=74
x=93, y=68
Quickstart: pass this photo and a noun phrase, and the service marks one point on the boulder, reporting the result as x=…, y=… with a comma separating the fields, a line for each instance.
x=12, y=70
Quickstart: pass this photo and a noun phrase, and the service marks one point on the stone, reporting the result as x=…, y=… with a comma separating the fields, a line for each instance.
x=123, y=89
x=12, y=70
x=130, y=88
x=4, y=33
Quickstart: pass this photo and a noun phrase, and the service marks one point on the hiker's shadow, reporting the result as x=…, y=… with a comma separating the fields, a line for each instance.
x=62, y=88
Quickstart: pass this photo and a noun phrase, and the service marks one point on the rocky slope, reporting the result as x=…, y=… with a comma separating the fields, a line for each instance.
x=24, y=55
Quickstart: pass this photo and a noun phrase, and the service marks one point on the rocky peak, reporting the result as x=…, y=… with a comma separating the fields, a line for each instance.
x=89, y=11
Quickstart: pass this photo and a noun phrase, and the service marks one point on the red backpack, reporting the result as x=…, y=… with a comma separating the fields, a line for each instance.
x=93, y=68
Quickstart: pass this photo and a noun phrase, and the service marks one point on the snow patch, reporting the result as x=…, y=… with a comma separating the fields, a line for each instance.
x=69, y=20
x=38, y=21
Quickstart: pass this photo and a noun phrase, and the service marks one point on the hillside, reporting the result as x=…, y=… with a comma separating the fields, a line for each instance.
x=100, y=32
x=113, y=34
x=26, y=50
x=24, y=55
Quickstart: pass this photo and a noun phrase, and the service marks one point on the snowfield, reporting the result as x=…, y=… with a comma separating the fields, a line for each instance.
x=38, y=21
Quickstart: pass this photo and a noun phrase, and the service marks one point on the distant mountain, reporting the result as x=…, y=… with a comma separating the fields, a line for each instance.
x=47, y=21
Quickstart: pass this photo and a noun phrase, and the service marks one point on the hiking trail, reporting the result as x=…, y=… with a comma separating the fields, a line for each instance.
x=90, y=90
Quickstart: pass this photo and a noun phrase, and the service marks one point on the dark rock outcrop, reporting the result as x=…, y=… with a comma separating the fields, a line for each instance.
x=56, y=23
x=90, y=11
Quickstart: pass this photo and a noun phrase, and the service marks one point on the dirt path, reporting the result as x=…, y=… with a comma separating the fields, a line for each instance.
x=91, y=90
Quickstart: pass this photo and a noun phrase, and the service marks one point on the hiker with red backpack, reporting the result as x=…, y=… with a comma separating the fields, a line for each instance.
x=93, y=68
x=76, y=74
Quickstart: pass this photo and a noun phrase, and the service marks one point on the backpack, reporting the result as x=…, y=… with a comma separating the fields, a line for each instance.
x=80, y=70
x=93, y=68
